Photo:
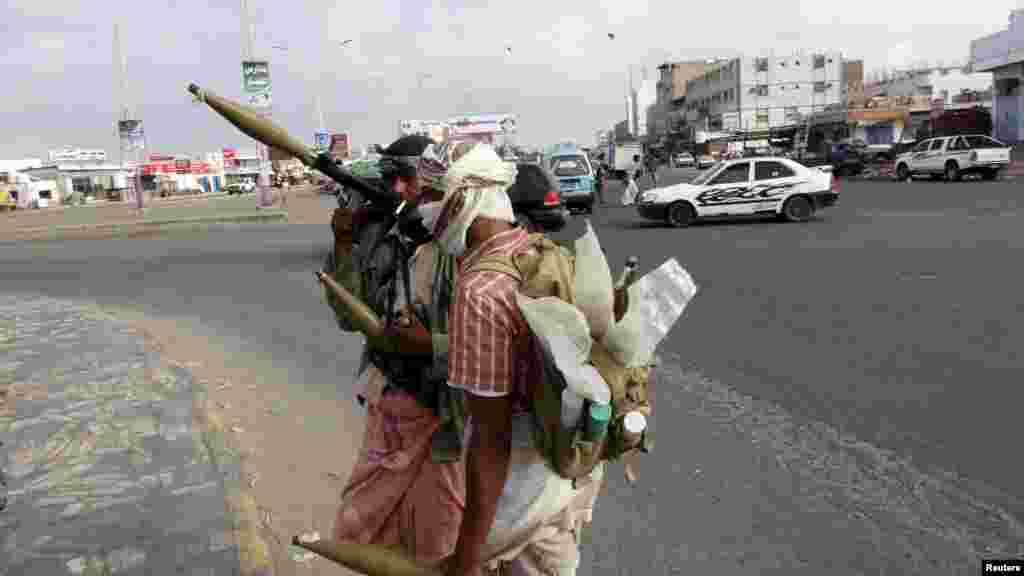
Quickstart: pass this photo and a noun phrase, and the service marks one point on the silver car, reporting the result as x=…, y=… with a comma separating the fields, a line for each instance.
x=684, y=159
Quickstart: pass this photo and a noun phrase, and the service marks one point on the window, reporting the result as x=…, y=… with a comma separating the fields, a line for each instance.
x=761, y=64
x=923, y=146
x=820, y=86
x=760, y=90
x=797, y=63
x=768, y=170
x=819, y=61
x=564, y=166
x=958, y=144
x=937, y=144
x=983, y=142
x=734, y=174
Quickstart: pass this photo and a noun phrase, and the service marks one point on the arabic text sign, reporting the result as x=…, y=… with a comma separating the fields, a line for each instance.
x=256, y=83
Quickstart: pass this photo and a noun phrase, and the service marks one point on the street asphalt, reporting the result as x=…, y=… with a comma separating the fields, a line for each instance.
x=102, y=470
x=893, y=317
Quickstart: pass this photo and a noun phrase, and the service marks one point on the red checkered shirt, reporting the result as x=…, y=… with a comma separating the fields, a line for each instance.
x=486, y=325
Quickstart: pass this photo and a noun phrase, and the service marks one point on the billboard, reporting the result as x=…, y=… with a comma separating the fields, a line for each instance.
x=256, y=83
x=493, y=124
x=434, y=129
x=131, y=134
x=321, y=140
x=340, y=146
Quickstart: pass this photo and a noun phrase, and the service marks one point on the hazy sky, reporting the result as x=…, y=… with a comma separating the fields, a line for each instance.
x=412, y=59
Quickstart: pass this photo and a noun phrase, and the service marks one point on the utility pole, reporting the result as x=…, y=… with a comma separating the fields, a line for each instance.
x=320, y=114
x=124, y=112
x=264, y=196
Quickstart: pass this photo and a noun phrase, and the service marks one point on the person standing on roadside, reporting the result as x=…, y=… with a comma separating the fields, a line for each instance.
x=407, y=488
x=652, y=169
x=520, y=518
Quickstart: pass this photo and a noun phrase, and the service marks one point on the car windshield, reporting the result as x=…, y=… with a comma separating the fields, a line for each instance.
x=706, y=175
x=569, y=166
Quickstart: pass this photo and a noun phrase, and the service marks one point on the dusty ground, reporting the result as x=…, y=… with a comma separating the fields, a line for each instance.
x=294, y=485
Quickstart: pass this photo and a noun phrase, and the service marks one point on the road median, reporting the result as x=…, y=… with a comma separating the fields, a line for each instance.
x=142, y=226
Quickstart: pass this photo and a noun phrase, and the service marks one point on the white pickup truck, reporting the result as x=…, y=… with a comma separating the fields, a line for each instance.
x=953, y=156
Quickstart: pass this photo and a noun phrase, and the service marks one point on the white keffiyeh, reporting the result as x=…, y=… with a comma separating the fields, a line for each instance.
x=480, y=178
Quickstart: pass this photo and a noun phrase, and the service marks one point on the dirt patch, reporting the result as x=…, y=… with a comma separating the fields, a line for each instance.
x=295, y=451
x=304, y=206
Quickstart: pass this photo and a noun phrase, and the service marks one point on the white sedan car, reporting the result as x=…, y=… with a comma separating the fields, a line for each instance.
x=744, y=187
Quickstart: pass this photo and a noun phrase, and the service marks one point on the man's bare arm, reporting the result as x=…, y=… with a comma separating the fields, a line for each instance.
x=486, y=470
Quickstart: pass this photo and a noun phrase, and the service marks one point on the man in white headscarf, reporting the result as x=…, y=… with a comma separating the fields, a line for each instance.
x=520, y=516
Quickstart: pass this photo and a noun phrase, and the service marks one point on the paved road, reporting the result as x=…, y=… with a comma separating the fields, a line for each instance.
x=894, y=317
x=103, y=471
x=890, y=316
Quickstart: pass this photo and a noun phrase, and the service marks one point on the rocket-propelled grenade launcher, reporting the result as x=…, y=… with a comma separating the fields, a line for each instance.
x=269, y=133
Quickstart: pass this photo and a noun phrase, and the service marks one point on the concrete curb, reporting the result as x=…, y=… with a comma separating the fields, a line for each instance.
x=138, y=226
x=241, y=509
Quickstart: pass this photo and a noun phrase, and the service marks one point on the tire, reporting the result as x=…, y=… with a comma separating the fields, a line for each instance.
x=902, y=172
x=952, y=172
x=797, y=209
x=680, y=214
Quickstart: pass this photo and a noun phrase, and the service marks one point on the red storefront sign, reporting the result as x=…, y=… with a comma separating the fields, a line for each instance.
x=176, y=167
x=230, y=159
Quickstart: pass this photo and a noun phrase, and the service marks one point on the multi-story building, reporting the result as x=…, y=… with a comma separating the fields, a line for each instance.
x=853, y=83
x=751, y=94
x=1002, y=55
x=644, y=98
x=670, y=94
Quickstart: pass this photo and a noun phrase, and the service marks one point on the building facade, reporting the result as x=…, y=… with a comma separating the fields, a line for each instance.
x=751, y=94
x=667, y=114
x=644, y=97
x=1002, y=55
x=947, y=84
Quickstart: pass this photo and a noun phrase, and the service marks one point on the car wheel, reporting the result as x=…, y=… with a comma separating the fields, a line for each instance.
x=680, y=214
x=902, y=172
x=952, y=172
x=797, y=209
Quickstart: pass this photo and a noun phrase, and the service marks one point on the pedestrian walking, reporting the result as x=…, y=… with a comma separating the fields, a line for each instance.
x=602, y=175
x=652, y=168
x=632, y=190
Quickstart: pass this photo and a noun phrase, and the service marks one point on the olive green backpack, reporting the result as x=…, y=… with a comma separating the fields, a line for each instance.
x=549, y=270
